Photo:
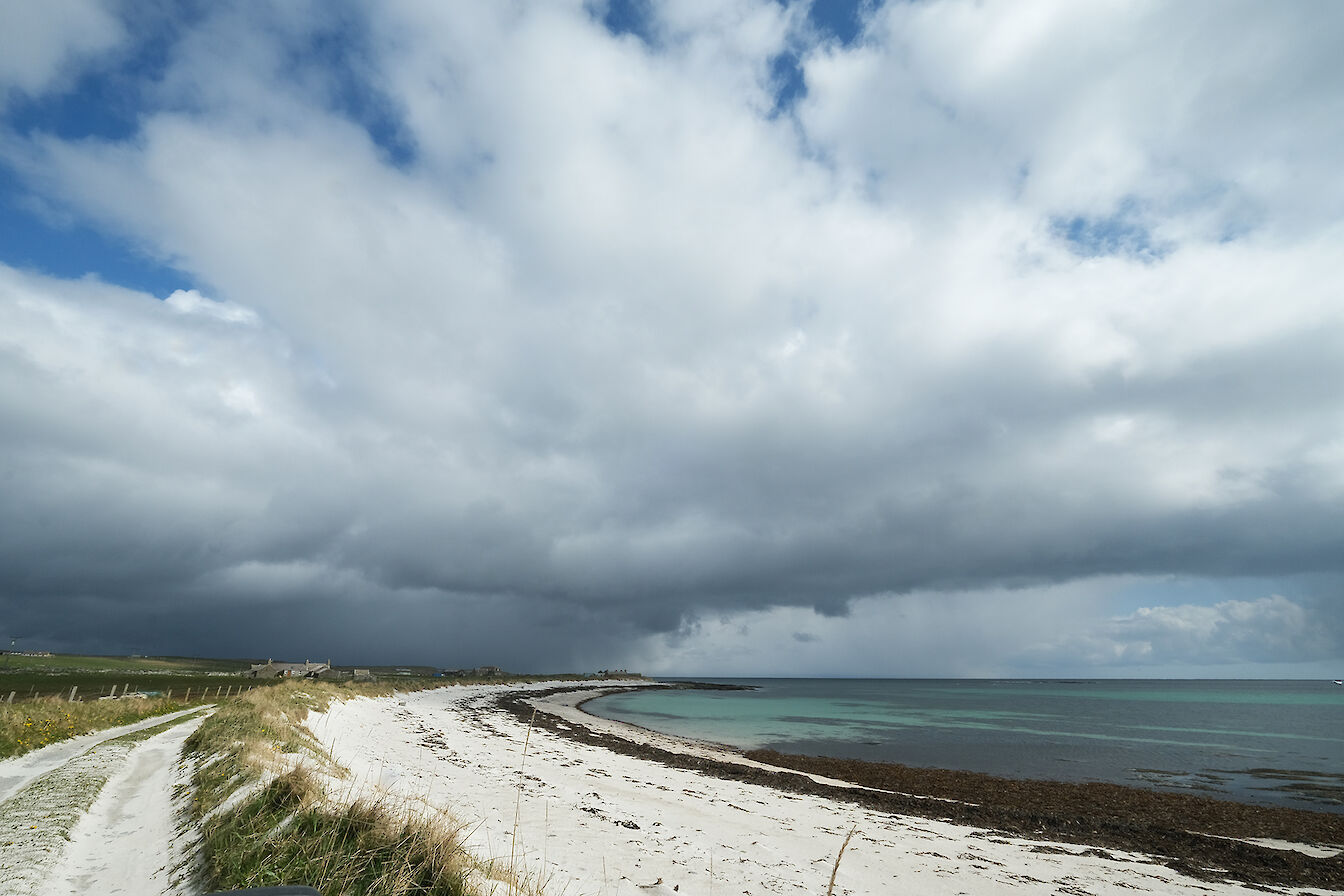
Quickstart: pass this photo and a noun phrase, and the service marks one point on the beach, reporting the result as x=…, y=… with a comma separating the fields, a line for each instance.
x=576, y=804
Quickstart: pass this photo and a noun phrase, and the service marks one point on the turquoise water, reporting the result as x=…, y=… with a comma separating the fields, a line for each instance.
x=1272, y=742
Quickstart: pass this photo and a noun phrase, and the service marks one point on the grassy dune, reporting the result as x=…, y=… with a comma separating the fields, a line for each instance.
x=267, y=818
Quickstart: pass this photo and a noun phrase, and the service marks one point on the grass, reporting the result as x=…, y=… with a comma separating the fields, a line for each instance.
x=29, y=677
x=34, y=677
x=258, y=786
x=285, y=834
x=29, y=685
x=33, y=724
x=266, y=818
x=41, y=712
x=95, y=676
x=70, y=662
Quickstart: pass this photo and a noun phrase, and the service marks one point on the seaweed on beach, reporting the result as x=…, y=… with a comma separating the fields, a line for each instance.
x=1195, y=835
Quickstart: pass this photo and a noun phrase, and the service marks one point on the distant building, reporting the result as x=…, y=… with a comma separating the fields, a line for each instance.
x=478, y=672
x=272, y=669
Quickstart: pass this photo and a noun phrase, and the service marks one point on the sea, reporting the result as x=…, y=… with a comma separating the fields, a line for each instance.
x=1265, y=742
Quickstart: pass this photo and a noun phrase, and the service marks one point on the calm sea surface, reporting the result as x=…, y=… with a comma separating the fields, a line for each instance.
x=1272, y=742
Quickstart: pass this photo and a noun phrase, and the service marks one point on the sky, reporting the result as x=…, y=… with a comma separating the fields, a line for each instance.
x=742, y=337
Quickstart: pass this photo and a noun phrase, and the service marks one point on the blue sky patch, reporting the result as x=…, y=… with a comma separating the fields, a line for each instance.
x=338, y=57
x=109, y=104
x=101, y=106
x=840, y=19
x=786, y=76
x=106, y=102
x=622, y=17
x=32, y=241
x=1120, y=233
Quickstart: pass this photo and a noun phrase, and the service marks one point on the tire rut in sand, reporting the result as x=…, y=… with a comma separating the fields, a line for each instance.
x=35, y=822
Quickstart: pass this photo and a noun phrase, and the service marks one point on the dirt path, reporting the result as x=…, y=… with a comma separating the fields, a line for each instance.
x=98, y=819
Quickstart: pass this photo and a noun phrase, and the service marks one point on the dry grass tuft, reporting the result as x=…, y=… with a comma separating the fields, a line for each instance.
x=835, y=869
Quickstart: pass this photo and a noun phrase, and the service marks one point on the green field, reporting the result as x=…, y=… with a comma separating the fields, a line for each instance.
x=94, y=676
x=29, y=677
x=64, y=662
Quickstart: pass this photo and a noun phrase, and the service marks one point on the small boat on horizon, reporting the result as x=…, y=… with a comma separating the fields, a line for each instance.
x=1339, y=681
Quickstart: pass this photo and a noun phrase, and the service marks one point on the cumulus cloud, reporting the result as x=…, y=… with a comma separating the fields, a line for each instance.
x=189, y=301
x=1186, y=117
x=496, y=308
x=1267, y=630
x=953, y=634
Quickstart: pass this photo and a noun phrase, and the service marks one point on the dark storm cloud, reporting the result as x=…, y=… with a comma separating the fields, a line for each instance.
x=610, y=351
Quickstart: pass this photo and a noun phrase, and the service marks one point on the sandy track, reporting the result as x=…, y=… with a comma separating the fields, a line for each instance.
x=21, y=770
x=95, y=816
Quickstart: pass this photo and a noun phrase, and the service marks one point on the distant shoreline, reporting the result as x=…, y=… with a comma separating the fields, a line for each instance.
x=1261, y=743
x=1196, y=835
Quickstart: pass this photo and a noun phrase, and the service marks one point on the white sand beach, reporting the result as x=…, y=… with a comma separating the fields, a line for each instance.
x=580, y=819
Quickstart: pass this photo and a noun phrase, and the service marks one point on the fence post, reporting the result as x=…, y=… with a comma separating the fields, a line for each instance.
x=125, y=689
x=72, y=693
x=10, y=701
x=170, y=694
x=114, y=690
x=217, y=690
x=188, y=695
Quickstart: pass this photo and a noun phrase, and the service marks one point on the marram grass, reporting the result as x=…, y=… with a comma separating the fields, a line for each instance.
x=285, y=835
x=266, y=818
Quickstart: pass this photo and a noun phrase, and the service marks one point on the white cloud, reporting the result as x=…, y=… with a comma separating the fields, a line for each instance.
x=1271, y=629
x=189, y=301
x=107, y=386
x=41, y=42
x=605, y=333
x=1074, y=108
